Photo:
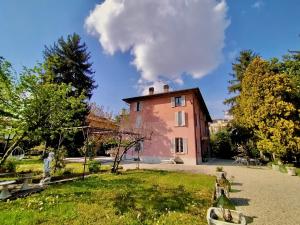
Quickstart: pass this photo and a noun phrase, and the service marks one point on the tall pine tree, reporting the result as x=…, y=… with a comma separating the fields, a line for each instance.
x=238, y=69
x=67, y=61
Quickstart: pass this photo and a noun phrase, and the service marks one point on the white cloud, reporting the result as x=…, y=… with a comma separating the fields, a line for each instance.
x=258, y=4
x=231, y=55
x=166, y=37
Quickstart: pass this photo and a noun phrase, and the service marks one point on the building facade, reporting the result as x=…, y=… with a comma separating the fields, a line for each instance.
x=179, y=122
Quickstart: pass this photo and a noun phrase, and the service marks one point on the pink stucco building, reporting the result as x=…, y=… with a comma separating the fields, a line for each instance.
x=179, y=121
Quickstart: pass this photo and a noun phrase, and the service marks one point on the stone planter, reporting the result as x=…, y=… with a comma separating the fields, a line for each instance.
x=219, y=190
x=275, y=167
x=219, y=174
x=291, y=171
x=214, y=213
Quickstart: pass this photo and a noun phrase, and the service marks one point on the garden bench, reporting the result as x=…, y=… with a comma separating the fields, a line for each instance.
x=5, y=193
x=168, y=161
x=240, y=160
x=255, y=162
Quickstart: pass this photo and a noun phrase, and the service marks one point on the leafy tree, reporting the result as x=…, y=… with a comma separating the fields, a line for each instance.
x=67, y=61
x=291, y=66
x=221, y=144
x=35, y=108
x=244, y=141
x=267, y=108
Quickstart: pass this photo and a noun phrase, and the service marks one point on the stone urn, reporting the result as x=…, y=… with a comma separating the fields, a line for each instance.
x=220, y=174
x=291, y=170
x=275, y=167
x=214, y=216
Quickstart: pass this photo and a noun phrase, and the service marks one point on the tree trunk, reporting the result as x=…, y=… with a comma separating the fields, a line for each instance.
x=274, y=156
x=114, y=169
x=11, y=148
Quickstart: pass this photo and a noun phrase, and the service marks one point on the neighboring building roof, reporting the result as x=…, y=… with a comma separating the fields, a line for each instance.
x=100, y=122
x=194, y=90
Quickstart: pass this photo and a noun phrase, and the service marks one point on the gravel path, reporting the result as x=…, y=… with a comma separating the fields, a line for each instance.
x=266, y=197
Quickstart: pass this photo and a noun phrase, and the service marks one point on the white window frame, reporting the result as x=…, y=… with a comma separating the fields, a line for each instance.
x=138, y=106
x=179, y=103
x=179, y=145
x=138, y=121
x=180, y=118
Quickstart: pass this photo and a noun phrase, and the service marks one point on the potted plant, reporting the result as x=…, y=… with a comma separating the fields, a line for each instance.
x=223, y=212
x=220, y=172
x=291, y=170
x=275, y=165
x=221, y=216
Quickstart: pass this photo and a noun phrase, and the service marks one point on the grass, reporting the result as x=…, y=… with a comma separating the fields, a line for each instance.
x=35, y=165
x=298, y=171
x=282, y=169
x=133, y=197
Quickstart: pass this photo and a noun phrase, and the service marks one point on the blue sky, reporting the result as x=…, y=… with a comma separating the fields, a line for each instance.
x=269, y=27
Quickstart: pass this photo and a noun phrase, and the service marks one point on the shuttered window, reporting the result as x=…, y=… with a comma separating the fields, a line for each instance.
x=179, y=145
x=180, y=118
x=178, y=101
x=138, y=106
x=138, y=122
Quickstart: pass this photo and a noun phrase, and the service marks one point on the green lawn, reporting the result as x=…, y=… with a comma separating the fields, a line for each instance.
x=36, y=165
x=133, y=197
x=298, y=171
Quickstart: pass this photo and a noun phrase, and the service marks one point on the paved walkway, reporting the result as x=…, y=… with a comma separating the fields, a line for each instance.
x=267, y=197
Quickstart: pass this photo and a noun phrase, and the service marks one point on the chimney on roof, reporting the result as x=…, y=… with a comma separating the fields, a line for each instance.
x=151, y=90
x=166, y=88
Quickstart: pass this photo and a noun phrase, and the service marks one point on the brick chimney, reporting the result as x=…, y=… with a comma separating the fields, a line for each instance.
x=166, y=88
x=151, y=90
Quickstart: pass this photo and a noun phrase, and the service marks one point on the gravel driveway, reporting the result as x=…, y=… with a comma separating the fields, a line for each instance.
x=266, y=197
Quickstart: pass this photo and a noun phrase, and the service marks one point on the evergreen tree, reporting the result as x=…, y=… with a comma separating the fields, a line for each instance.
x=238, y=69
x=67, y=61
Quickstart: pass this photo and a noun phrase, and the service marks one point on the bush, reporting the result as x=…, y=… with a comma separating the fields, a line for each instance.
x=67, y=172
x=9, y=167
x=221, y=145
x=59, y=156
x=219, y=169
x=37, y=150
x=94, y=166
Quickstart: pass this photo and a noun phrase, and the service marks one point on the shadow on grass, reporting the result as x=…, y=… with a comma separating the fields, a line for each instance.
x=119, y=183
x=157, y=201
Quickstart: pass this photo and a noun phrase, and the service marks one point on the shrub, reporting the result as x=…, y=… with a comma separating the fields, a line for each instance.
x=221, y=145
x=94, y=166
x=289, y=165
x=37, y=150
x=67, y=171
x=9, y=167
x=219, y=169
x=59, y=156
